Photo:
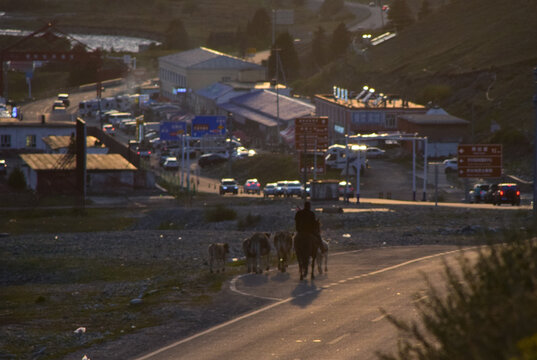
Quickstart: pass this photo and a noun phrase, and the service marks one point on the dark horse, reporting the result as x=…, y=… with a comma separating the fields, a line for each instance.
x=306, y=246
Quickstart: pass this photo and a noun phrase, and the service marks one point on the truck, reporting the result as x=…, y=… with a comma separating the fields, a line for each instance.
x=336, y=158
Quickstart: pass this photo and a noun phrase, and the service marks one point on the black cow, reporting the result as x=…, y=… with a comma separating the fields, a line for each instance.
x=257, y=250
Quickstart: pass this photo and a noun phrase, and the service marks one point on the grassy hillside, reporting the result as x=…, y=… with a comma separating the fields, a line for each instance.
x=452, y=58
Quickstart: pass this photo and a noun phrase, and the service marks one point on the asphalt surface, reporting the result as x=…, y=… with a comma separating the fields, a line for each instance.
x=335, y=316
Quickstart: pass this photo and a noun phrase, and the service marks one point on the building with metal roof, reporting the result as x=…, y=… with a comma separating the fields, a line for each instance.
x=55, y=173
x=261, y=113
x=191, y=70
x=60, y=144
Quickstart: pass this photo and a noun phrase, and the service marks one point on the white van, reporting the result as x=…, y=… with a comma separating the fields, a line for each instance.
x=117, y=118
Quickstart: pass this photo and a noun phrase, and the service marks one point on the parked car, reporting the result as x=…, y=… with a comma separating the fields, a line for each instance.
x=506, y=193
x=343, y=189
x=229, y=185
x=58, y=104
x=141, y=151
x=478, y=193
x=294, y=188
x=252, y=186
x=241, y=152
x=171, y=163
x=64, y=98
x=489, y=195
x=450, y=165
x=269, y=189
x=281, y=187
x=211, y=159
x=109, y=129
x=374, y=152
x=3, y=167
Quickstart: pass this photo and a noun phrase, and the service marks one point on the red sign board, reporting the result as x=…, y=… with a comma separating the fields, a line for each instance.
x=480, y=160
x=311, y=133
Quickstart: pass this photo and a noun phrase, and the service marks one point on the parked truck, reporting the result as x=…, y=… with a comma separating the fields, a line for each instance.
x=336, y=158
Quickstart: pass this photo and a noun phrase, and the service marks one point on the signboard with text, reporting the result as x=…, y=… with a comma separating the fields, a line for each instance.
x=479, y=160
x=172, y=130
x=311, y=133
x=208, y=125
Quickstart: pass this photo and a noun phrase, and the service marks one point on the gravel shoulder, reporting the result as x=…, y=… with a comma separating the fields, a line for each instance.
x=165, y=252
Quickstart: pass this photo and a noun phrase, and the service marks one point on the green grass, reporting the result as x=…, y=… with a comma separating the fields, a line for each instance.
x=62, y=220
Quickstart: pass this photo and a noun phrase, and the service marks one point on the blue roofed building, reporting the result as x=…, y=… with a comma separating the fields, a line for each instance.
x=261, y=114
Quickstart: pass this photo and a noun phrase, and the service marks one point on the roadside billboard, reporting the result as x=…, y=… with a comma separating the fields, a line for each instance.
x=479, y=160
x=172, y=130
x=208, y=125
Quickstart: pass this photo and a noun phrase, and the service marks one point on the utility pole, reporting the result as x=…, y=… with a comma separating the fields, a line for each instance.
x=535, y=148
x=277, y=56
x=230, y=143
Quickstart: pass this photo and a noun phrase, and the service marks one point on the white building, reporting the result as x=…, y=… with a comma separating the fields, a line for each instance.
x=27, y=136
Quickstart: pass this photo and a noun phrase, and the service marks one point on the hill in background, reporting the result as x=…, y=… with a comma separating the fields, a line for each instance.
x=473, y=58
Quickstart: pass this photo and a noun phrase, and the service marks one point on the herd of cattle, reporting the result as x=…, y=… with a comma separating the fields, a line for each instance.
x=257, y=250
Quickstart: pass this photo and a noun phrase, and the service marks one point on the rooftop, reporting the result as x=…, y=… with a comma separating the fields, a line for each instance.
x=204, y=58
x=59, y=142
x=61, y=161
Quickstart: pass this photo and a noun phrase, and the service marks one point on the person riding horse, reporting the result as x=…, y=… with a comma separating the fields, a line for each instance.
x=305, y=223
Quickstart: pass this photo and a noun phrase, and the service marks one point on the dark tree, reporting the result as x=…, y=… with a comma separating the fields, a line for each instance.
x=176, y=36
x=260, y=27
x=318, y=47
x=289, y=65
x=425, y=10
x=341, y=39
x=400, y=15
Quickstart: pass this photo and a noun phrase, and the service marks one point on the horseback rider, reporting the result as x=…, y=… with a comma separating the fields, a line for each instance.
x=305, y=223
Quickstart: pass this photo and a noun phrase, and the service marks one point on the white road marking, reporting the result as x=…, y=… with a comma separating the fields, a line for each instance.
x=379, y=318
x=280, y=302
x=338, y=339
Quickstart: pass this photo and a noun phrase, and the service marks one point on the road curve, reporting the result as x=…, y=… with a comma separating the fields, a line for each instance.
x=336, y=316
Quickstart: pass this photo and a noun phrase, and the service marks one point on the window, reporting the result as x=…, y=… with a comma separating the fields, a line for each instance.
x=30, y=141
x=5, y=141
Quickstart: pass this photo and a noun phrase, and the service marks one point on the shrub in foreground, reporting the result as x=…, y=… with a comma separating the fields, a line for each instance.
x=489, y=310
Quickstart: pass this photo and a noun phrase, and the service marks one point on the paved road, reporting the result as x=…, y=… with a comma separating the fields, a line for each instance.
x=32, y=111
x=336, y=316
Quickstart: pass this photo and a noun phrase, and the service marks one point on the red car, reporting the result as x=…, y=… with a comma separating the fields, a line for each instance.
x=252, y=186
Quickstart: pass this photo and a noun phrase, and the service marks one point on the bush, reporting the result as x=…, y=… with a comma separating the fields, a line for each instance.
x=489, y=310
x=220, y=213
x=17, y=180
x=248, y=222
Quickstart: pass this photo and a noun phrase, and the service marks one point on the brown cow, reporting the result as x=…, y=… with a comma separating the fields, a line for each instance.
x=256, y=249
x=283, y=243
x=217, y=254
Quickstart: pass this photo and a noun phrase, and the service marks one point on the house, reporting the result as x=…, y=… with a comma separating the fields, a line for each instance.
x=444, y=132
x=27, y=136
x=187, y=71
x=55, y=173
x=60, y=144
x=365, y=112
